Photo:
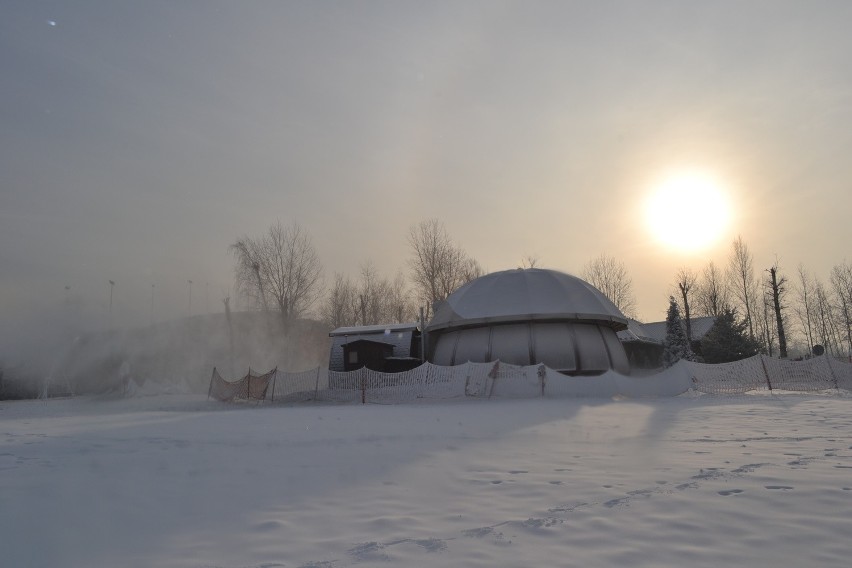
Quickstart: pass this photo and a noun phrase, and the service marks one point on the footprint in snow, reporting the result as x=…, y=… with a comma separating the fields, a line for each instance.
x=367, y=551
x=478, y=533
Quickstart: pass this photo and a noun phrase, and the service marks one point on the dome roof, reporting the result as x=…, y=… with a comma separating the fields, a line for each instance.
x=532, y=294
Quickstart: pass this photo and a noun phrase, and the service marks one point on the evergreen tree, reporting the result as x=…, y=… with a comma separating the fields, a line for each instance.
x=676, y=345
x=728, y=340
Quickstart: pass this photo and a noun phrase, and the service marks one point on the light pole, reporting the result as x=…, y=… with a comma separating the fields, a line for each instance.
x=190, y=296
x=111, y=286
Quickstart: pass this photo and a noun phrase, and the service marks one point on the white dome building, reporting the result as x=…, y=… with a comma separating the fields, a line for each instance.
x=527, y=317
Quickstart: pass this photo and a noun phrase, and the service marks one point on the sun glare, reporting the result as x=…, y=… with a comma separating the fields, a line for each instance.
x=688, y=212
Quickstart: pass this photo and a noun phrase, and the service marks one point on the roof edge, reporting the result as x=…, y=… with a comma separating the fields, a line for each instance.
x=368, y=329
x=615, y=322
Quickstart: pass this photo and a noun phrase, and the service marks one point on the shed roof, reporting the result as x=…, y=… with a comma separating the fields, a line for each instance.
x=700, y=326
x=636, y=331
x=371, y=329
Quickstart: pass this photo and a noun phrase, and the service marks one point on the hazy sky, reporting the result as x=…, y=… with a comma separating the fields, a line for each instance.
x=139, y=139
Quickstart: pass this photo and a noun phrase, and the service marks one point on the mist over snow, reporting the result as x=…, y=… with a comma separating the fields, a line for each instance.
x=179, y=353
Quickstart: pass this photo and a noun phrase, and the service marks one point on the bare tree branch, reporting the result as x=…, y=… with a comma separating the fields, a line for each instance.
x=711, y=292
x=281, y=265
x=438, y=266
x=610, y=277
x=742, y=280
x=686, y=279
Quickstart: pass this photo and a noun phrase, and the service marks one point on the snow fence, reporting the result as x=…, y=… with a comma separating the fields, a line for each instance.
x=767, y=373
x=253, y=386
x=501, y=380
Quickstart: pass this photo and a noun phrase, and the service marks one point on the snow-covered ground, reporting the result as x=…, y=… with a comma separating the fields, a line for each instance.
x=177, y=481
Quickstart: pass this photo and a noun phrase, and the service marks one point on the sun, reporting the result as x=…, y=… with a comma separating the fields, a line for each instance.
x=688, y=211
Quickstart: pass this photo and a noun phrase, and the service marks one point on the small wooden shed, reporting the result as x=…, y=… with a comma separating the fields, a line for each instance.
x=390, y=348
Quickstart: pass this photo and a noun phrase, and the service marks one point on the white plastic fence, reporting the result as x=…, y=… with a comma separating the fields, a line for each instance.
x=500, y=380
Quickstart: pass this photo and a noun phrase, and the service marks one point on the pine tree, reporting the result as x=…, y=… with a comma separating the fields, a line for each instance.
x=676, y=345
x=728, y=340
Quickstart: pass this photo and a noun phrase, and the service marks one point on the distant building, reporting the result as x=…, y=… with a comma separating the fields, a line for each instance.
x=643, y=342
x=520, y=317
x=644, y=350
x=390, y=348
x=527, y=317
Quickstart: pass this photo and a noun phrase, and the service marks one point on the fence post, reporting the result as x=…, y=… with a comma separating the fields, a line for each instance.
x=316, y=384
x=493, y=374
x=765, y=372
x=210, y=388
x=274, y=375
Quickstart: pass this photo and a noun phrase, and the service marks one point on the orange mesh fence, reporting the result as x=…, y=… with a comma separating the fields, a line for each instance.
x=220, y=389
x=258, y=385
x=250, y=387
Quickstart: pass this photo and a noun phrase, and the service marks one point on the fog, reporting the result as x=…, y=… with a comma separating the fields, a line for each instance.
x=177, y=355
x=140, y=140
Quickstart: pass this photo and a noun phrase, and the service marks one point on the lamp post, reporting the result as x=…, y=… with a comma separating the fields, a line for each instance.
x=190, y=296
x=111, y=287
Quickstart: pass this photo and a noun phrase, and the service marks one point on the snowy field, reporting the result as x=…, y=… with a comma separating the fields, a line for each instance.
x=177, y=481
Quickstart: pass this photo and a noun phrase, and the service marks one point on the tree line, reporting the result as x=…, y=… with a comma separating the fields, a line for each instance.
x=780, y=317
x=280, y=271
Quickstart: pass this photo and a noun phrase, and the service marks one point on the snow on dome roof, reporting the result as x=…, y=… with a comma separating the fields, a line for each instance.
x=531, y=294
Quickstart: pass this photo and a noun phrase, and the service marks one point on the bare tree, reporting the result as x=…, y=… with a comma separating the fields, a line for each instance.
x=371, y=296
x=282, y=265
x=249, y=284
x=711, y=294
x=339, y=309
x=373, y=300
x=826, y=325
x=686, y=279
x=778, y=289
x=805, y=307
x=470, y=270
x=764, y=322
x=610, y=277
x=438, y=265
x=841, y=283
x=529, y=261
x=399, y=305
x=742, y=281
